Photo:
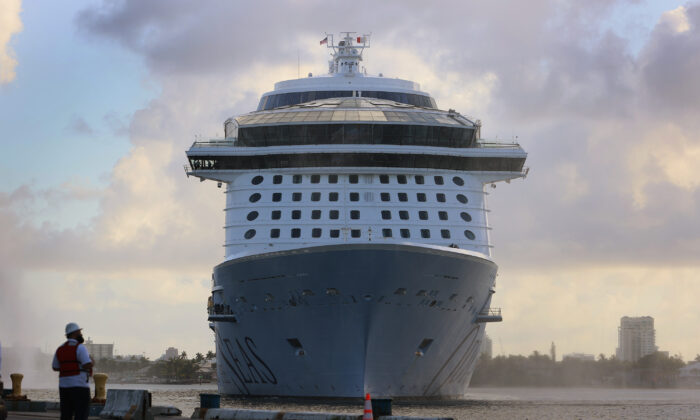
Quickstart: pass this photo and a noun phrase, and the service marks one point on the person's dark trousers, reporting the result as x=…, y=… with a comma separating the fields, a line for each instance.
x=74, y=401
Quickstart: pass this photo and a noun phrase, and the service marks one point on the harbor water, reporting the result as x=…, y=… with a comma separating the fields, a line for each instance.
x=479, y=403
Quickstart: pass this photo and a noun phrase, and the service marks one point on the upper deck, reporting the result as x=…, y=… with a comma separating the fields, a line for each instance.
x=356, y=120
x=345, y=78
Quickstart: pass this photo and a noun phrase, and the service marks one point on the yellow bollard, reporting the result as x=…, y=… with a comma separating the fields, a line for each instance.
x=100, y=388
x=16, y=387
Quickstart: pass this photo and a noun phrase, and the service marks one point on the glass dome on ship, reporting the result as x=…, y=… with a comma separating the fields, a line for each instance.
x=358, y=255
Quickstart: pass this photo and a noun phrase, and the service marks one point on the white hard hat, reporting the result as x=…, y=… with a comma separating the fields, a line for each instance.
x=72, y=327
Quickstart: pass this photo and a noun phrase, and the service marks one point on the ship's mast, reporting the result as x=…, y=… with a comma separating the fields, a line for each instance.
x=347, y=54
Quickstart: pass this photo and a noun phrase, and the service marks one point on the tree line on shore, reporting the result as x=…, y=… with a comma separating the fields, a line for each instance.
x=179, y=368
x=654, y=370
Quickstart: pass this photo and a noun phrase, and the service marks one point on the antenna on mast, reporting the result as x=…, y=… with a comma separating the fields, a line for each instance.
x=347, y=54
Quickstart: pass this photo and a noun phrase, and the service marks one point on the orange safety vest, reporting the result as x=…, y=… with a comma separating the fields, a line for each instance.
x=68, y=364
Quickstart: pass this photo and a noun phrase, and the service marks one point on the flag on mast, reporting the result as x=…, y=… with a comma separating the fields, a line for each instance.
x=324, y=41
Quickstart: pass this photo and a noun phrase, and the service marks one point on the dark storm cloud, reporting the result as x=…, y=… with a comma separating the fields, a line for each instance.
x=671, y=65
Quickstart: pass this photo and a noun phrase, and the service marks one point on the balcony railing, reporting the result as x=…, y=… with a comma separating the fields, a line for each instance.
x=489, y=315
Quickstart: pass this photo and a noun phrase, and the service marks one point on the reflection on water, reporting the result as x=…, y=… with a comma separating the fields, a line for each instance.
x=479, y=403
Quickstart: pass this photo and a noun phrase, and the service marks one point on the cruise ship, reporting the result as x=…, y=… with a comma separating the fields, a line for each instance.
x=358, y=255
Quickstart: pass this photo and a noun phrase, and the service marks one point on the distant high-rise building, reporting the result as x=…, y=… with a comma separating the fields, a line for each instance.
x=553, y=352
x=170, y=353
x=636, y=338
x=487, y=346
x=99, y=351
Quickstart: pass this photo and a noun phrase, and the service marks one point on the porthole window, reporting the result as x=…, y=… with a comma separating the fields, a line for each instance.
x=315, y=178
x=296, y=233
x=405, y=233
x=296, y=214
x=438, y=180
x=252, y=216
x=354, y=214
x=385, y=196
x=354, y=196
x=354, y=178
x=333, y=214
x=421, y=197
x=276, y=214
x=462, y=198
x=254, y=197
x=386, y=214
x=250, y=233
x=333, y=196
x=425, y=233
x=401, y=179
x=403, y=197
x=333, y=179
x=277, y=196
x=442, y=215
x=469, y=234
x=296, y=196
x=277, y=179
x=458, y=181
x=466, y=216
x=274, y=233
x=257, y=180
x=296, y=179
x=419, y=179
x=423, y=215
x=316, y=196
x=316, y=233
x=315, y=214
x=445, y=233
x=440, y=197
x=355, y=233
x=386, y=233
x=384, y=179
x=335, y=233
x=403, y=214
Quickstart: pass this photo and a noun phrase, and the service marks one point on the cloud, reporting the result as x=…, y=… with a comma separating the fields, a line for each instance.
x=10, y=24
x=670, y=65
x=79, y=126
x=676, y=19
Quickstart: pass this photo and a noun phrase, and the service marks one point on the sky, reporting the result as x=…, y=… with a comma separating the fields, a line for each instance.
x=100, y=99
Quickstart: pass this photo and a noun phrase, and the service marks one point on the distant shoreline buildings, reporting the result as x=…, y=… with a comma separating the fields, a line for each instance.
x=636, y=338
x=99, y=351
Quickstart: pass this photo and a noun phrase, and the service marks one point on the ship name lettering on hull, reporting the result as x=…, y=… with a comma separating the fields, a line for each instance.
x=245, y=364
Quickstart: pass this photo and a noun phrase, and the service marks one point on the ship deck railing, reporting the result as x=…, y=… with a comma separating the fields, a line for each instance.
x=232, y=141
x=496, y=144
x=489, y=315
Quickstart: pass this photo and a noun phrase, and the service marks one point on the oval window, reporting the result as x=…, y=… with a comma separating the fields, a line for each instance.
x=257, y=180
x=462, y=198
x=250, y=233
x=254, y=197
x=458, y=181
x=469, y=234
x=252, y=215
x=466, y=216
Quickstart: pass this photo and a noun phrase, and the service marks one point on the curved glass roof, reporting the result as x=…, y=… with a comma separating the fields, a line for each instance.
x=343, y=110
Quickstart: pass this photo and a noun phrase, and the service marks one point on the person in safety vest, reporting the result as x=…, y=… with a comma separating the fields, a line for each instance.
x=74, y=365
